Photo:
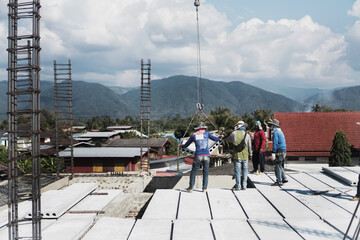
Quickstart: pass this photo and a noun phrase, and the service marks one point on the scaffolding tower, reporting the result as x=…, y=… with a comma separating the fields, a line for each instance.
x=145, y=113
x=24, y=108
x=63, y=111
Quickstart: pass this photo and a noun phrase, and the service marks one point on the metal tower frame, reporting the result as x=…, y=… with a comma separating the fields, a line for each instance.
x=63, y=109
x=145, y=111
x=24, y=107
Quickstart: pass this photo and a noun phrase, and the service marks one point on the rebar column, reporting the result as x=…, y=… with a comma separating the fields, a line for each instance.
x=63, y=110
x=24, y=108
x=145, y=95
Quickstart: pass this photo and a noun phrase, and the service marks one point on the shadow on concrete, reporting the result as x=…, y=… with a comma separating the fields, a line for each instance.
x=162, y=183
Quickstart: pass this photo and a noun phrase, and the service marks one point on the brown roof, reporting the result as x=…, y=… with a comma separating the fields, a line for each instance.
x=312, y=133
x=135, y=142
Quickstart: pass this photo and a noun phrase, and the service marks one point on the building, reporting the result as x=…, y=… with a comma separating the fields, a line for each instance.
x=117, y=128
x=101, y=159
x=98, y=137
x=309, y=136
x=4, y=141
x=157, y=145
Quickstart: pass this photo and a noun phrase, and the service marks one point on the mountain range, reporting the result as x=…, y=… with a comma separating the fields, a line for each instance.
x=178, y=95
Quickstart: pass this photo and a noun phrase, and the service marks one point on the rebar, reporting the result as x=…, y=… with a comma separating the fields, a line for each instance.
x=24, y=108
x=145, y=97
x=63, y=111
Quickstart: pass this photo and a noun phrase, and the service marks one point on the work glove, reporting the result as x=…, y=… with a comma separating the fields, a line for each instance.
x=273, y=156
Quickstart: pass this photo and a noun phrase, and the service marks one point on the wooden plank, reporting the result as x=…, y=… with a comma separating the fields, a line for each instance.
x=110, y=229
x=224, y=204
x=163, y=205
x=232, y=229
x=255, y=205
x=148, y=229
x=273, y=229
x=190, y=229
x=193, y=205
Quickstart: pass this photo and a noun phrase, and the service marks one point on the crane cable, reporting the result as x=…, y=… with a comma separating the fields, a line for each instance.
x=200, y=102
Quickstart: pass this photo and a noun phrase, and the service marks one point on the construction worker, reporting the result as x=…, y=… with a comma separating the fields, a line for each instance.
x=241, y=154
x=278, y=152
x=259, y=149
x=202, y=154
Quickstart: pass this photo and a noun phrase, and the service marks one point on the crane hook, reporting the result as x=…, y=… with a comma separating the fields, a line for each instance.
x=197, y=3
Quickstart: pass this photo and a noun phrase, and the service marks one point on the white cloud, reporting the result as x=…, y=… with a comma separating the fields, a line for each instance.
x=3, y=44
x=3, y=74
x=355, y=11
x=106, y=40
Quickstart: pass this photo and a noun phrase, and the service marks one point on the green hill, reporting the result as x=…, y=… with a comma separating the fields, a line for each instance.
x=345, y=98
x=178, y=95
x=91, y=99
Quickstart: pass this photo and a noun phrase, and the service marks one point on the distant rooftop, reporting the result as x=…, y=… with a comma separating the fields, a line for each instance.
x=96, y=152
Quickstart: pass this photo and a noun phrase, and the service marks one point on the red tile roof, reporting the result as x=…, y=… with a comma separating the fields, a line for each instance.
x=311, y=134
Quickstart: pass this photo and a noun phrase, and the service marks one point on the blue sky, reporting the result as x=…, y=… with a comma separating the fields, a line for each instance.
x=307, y=43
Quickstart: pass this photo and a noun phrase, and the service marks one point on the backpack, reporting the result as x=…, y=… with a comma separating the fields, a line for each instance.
x=241, y=146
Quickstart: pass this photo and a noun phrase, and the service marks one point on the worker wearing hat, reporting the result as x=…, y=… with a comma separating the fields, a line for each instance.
x=278, y=152
x=240, y=158
x=202, y=154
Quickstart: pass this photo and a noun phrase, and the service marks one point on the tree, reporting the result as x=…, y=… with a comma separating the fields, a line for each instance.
x=4, y=125
x=172, y=149
x=3, y=155
x=340, y=153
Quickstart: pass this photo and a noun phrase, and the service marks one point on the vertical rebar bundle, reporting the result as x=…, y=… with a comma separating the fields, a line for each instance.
x=63, y=110
x=145, y=112
x=24, y=107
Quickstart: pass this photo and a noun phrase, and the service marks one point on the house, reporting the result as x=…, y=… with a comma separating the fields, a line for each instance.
x=118, y=128
x=102, y=159
x=3, y=171
x=157, y=145
x=98, y=137
x=4, y=141
x=309, y=136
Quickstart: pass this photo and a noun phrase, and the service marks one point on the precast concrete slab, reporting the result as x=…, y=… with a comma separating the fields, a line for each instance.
x=96, y=202
x=343, y=174
x=262, y=180
x=25, y=229
x=321, y=205
x=333, y=183
x=192, y=229
x=314, y=229
x=255, y=205
x=23, y=209
x=342, y=224
x=273, y=229
x=232, y=229
x=55, y=203
x=286, y=204
x=215, y=181
x=108, y=228
x=310, y=182
x=223, y=204
x=69, y=227
x=149, y=229
x=193, y=205
x=355, y=169
x=163, y=205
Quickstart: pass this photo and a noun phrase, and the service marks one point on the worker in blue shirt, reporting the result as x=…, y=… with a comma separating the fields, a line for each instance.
x=278, y=152
x=202, y=154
